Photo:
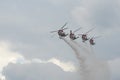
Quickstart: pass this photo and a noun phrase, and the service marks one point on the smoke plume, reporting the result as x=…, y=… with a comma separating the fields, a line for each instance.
x=90, y=67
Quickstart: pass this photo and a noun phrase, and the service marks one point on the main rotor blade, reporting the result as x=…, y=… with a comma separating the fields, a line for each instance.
x=64, y=25
x=97, y=37
x=53, y=35
x=77, y=30
x=64, y=28
x=53, y=31
x=80, y=34
x=90, y=30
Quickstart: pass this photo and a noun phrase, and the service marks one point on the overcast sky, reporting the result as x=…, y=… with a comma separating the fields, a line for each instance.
x=25, y=27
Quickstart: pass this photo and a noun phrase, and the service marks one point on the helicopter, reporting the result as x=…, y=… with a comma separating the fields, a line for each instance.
x=72, y=34
x=91, y=40
x=84, y=35
x=60, y=31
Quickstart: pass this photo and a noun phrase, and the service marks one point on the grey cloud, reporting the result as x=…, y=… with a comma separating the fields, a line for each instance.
x=102, y=13
x=36, y=71
x=27, y=23
x=114, y=67
x=105, y=16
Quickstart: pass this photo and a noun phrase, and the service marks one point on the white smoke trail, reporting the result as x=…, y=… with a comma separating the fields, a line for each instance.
x=90, y=67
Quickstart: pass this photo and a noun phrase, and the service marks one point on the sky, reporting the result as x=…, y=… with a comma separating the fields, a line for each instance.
x=28, y=51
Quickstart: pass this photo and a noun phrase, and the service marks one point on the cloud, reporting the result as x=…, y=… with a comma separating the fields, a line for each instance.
x=61, y=2
x=99, y=13
x=27, y=23
x=7, y=56
x=115, y=68
x=37, y=71
x=105, y=16
x=56, y=2
x=10, y=57
x=65, y=66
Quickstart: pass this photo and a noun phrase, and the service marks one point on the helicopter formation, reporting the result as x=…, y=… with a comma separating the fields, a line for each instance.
x=72, y=35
